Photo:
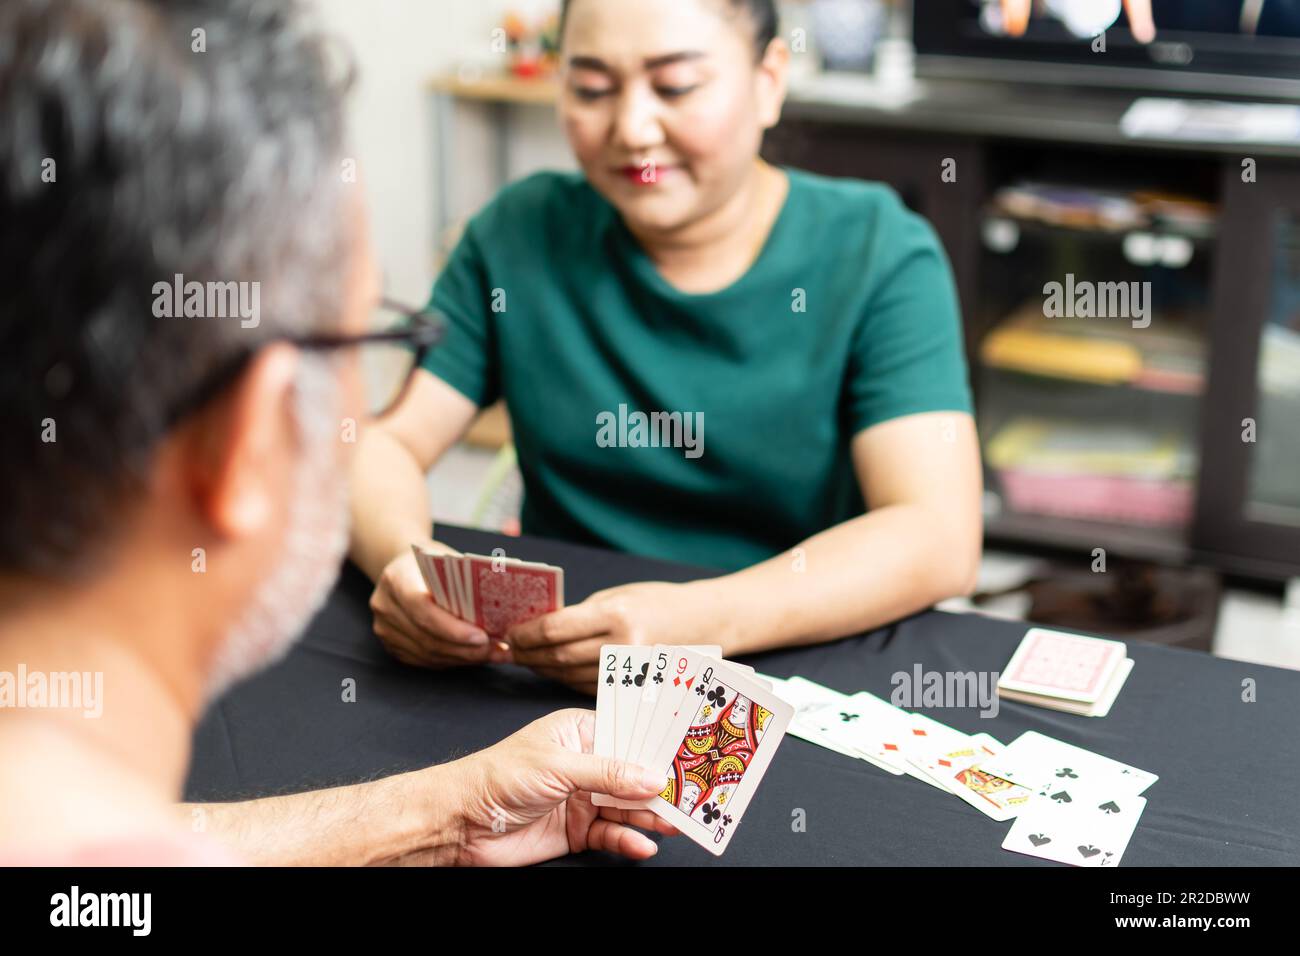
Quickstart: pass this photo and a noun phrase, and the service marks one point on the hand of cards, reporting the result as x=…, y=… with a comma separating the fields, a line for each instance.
x=711, y=725
x=1070, y=805
x=493, y=593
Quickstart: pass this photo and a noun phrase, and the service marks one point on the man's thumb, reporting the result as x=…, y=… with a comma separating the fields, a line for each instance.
x=614, y=778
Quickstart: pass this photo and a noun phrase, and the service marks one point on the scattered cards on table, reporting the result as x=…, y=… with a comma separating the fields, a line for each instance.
x=1067, y=672
x=711, y=725
x=493, y=593
x=1070, y=805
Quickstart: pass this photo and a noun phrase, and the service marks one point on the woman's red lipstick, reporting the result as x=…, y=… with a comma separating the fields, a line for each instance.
x=642, y=175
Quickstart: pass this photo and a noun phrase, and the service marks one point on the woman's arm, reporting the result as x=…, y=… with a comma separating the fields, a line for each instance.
x=390, y=506
x=918, y=543
x=390, y=512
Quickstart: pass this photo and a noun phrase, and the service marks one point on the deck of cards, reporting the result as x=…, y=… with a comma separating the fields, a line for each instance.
x=711, y=725
x=494, y=593
x=1067, y=672
x=1070, y=805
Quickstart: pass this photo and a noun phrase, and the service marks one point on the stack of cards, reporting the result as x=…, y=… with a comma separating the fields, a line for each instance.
x=711, y=725
x=1066, y=672
x=493, y=593
x=1070, y=805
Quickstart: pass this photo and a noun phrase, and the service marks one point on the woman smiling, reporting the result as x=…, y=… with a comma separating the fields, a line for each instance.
x=811, y=324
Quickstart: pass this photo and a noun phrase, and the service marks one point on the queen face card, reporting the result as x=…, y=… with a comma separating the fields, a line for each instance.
x=728, y=728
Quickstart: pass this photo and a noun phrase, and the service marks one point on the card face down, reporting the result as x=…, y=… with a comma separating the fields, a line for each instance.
x=726, y=731
x=1066, y=666
x=504, y=594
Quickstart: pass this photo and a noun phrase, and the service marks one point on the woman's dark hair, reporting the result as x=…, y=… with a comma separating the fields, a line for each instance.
x=761, y=13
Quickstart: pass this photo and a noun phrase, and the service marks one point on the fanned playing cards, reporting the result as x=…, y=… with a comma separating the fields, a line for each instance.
x=1069, y=804
x=494, y=593
x=710, y=725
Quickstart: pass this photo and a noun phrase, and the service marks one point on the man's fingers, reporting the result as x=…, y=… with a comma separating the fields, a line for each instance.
x=567, y=624
x=609, y=776
x=616, y=838
x=641, y=819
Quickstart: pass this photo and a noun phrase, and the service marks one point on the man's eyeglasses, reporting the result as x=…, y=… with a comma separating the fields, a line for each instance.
x=391, y=354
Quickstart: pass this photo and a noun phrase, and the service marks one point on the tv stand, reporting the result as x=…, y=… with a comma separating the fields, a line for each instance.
x=955, y=149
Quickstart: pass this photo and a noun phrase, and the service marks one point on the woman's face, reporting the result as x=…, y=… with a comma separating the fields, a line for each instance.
x=664, y=106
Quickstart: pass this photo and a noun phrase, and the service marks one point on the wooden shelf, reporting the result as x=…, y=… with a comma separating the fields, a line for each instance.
x=498, y=88
x=1166, y=545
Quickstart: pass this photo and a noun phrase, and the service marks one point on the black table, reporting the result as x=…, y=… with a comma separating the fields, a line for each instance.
x=1228, y=793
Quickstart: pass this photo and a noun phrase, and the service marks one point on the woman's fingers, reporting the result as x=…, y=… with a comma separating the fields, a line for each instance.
x=570, y=656
x=567, y=624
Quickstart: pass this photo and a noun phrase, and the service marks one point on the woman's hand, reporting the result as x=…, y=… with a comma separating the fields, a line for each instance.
x=415, y=630
x=565, y=645
x=528, y=798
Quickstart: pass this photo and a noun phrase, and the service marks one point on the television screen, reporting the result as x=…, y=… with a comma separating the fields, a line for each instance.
x=1247, y=47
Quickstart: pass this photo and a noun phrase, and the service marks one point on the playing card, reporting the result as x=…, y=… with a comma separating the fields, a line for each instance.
x=679, y=679
x=423, y=562
x=660, y=659
x=808, y=697
x=603, y=744
x=442, y=565
x=727, y=730
x=615, y=712
x=460, y=567
x=503, y=593
x=1091, y=833
x=937, y=751
x=992, y=796
x=1064, y=666
x=874, y=729
x=632, y=666
x=1047, y=766
x=932, y=747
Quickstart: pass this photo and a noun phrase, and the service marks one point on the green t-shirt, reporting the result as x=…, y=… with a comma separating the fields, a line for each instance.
x=847, y=319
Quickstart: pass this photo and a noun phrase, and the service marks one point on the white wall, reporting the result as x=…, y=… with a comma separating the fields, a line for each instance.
x=398, y=46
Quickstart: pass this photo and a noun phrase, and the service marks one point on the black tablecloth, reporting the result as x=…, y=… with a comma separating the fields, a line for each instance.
x=1228, y=793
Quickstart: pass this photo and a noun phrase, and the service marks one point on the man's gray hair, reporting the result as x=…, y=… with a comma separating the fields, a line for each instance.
x=141, y=141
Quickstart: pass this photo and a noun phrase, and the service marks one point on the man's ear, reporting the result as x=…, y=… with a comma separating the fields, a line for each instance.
x=241, y=441
x=773, y=81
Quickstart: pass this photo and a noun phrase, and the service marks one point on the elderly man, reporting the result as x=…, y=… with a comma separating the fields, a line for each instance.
x=186, y=284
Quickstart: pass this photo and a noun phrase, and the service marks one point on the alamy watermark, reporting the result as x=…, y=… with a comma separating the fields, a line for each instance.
x=133, y=911
x=626, y=429
x=918, y=688
x=179, y=299
x=53, y=690
x=1098, y=300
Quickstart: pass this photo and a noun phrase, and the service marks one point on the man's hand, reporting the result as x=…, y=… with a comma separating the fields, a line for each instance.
x=409, y=623
x=565, y=645
x=528, y=798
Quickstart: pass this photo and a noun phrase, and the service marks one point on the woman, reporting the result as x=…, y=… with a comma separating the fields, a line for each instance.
x=809, y=323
